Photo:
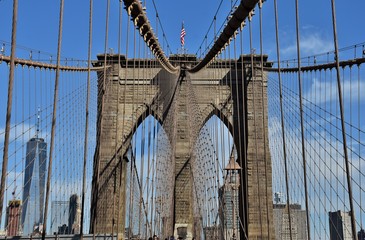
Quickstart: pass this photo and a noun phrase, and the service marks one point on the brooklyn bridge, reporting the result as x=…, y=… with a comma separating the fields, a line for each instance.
x=112, y=126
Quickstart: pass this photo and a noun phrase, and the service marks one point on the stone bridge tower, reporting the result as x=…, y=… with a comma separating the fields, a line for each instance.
x=226, y=89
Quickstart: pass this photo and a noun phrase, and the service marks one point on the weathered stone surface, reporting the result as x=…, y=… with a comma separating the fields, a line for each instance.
x=240, y=102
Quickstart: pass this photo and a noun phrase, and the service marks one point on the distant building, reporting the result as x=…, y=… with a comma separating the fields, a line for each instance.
x=34, y=186
x=281, y=222
x=361, y=235
x=63, y=229
x=59, y=215
x=127, y=233
x=229, y=202
x=37, y=230
x=74, y=220
x=340, y=225
x=212, y=233
x=12, y=220
x=2, y=233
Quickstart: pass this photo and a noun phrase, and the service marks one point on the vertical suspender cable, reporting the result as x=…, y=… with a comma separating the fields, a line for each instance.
x=143, y=123
x=359, y=134
x=86, y=120
x=239, y=149
x=224, y=68
x=130, y=192
x=9, y=106
x=123, y=123
x=152, y=180
x=149, y=150
x=353, y=222
x=134, y=119
x=263, y=122
x=282, y=116
x=302, y=119
x=115, y=182
x=155, y=142
x=101, y=119
x=233, y=133
x=244, y=182
x=218, y=122
x=254, y=117
x=153, y=176
x=120, y=221
x=141, y=169
x=118, y=159
x=55, y=99
x=142, y=157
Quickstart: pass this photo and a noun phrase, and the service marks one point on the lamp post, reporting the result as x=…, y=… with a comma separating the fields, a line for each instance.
x=233, y=182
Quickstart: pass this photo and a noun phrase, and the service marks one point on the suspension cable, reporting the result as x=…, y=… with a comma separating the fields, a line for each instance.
x=213, y=23
x=282, y=117
x=253, y=88
x=162, y=29
x=55, y=100
x=264, y=119
x=86, y=121
x=135, y=10
x=242, y=12
x=9, y=106
x=343, y=127
x=301, y=118
x=43, y=65
x=244, y=179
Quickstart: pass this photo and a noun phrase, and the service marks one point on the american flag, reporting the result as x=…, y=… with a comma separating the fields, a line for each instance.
x=182, y=35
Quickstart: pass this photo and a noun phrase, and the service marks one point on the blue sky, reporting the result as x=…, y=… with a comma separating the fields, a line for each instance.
x=38, y=21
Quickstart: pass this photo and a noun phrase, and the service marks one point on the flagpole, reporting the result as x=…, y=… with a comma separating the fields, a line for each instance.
x=182, y=38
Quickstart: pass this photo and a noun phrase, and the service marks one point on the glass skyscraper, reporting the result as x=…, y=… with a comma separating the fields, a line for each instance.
x=34, y=185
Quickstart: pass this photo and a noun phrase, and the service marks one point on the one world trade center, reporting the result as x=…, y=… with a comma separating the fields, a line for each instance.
x=34, y=186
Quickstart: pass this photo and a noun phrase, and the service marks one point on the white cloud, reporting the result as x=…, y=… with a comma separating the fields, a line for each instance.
x=321, y=92
x=310, y=44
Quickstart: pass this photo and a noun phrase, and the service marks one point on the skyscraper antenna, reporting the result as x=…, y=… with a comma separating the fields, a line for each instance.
x=38, y=119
